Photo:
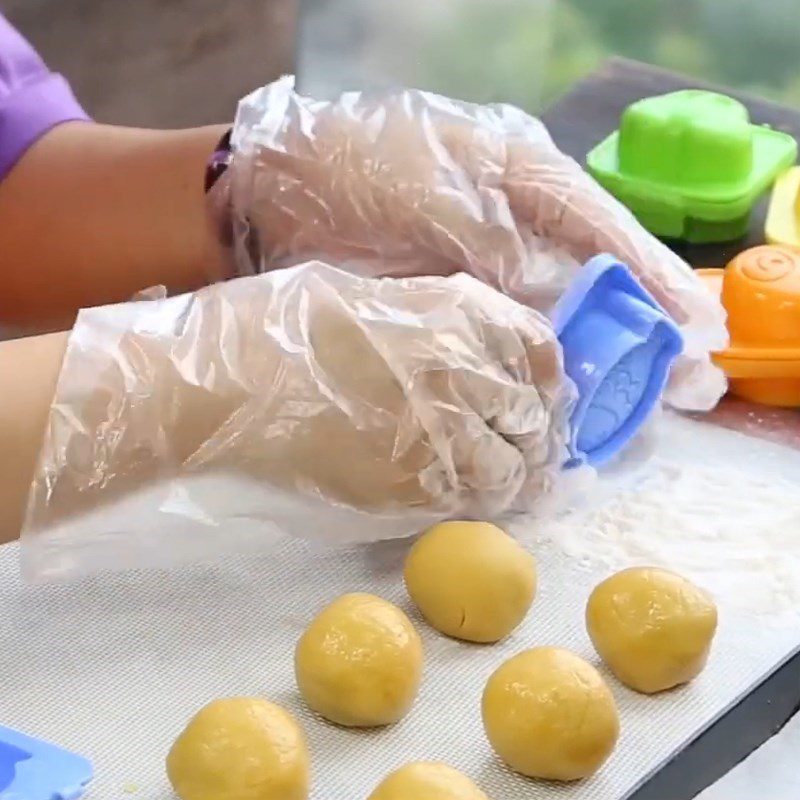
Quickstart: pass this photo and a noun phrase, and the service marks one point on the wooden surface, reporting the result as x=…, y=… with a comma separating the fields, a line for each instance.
x=161, y=63
x=591, y=111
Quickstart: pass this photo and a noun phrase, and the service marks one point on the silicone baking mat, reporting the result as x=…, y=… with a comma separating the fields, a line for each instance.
x=114, y=666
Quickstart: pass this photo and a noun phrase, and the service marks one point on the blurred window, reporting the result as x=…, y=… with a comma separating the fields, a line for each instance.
x=529, y=51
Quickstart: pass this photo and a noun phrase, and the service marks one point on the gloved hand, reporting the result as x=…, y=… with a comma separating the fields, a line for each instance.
x=403, y=402
x=410, y=183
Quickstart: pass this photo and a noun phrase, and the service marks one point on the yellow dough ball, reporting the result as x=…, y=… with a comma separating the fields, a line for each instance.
x=549, y=714
x=359, y=663
x=424, y=780
x=240, y=748
x=652, y=627
x=471, y=580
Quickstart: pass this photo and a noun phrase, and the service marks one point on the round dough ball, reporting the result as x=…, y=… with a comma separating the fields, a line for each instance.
x=427, y=781
x=549, y=714
x=240, y=748
x=471, y=580
x=359, y=663
x=652, y=627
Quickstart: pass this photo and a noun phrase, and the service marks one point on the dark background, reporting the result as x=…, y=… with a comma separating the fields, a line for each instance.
x=160, y=63
x=186, y=62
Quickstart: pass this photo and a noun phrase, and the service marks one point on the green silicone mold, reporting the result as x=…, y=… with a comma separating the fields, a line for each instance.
x=690, y=164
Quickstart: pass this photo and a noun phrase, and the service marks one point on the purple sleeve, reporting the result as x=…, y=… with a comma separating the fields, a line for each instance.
x=32, y=99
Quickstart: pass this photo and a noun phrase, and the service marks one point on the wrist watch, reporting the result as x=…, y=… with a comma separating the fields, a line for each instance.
x=220, y=205
x=219, y=161
x=219, y=202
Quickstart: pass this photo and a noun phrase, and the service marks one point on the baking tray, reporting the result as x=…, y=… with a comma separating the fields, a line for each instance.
x=113, y=667
x=579, y=120
x=729, y=738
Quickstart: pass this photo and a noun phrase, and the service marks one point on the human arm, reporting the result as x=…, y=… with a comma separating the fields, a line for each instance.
x=91, y=214
x=28, y=373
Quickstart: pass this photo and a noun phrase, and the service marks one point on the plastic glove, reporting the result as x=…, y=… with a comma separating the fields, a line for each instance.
x=413, y=183
x=386, y=405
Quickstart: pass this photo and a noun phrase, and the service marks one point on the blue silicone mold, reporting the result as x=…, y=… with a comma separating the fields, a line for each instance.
x=619, y=345
x=31, y=769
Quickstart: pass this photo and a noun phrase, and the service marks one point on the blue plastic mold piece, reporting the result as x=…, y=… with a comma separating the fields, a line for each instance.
x=619, y=345
x=31, y=769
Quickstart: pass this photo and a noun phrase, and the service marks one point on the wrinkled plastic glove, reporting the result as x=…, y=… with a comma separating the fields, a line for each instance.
x=345, y=408
x=410, y=183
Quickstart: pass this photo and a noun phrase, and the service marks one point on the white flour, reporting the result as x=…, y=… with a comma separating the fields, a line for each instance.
x=717, y=506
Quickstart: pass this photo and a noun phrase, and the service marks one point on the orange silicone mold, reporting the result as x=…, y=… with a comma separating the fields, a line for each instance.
x=760, y=290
